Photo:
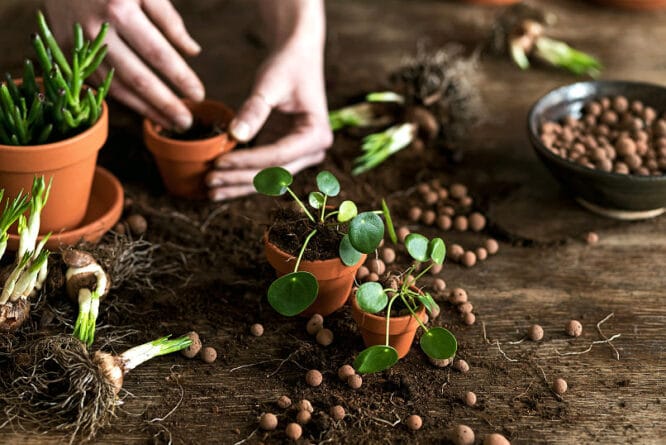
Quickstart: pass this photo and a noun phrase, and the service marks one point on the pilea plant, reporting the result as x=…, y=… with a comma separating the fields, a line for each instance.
x=438, y=343
x=64, y=106
x=30, y=267
x=292, y=293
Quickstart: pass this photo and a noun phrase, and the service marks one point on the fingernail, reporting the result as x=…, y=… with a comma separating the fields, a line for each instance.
x=240, y=130
x=183, y=121
x=197, y=93
x=215, y=181
x=222, y=163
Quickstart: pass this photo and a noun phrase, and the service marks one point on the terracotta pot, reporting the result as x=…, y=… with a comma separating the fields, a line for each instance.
x=645, y=5
x=373, y=328
x=334, y=278
x=183, y=164
x=71, y=164
x=492, y=2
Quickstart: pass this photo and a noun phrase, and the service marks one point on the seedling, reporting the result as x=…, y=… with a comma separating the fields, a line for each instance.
x=292, y=293
x=31, y=266
x=435, y=100
x=521, y=32
x=438, y=343
x=64, y=106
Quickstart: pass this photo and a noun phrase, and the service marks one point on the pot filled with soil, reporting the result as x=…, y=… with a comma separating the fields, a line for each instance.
x=334, y=278
x=54, y=127
x=402, y=328
x=184, y=158
x=316, y=250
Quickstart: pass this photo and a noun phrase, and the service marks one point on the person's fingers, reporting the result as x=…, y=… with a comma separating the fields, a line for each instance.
x=145, y=84
x=225, y=193
x=303, y=141
x=126, y=96
x=165, y=16
x=232, y=184
x=151, y=45
x=250, y=118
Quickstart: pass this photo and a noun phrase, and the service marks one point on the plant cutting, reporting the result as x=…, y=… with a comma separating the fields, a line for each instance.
x=385, y=347
x=434, y=100
x=349, y=234
x=521, y=32
x=30, y=268
x=51, y=122
x=53, y=384
x=184, y=158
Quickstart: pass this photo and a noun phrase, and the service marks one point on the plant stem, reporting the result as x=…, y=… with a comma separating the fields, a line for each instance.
x=413, y=313
x=423, y=273
x=323, y=207
x=388, y=317
x=305, y=244
x=300, y=203
x=139, y=354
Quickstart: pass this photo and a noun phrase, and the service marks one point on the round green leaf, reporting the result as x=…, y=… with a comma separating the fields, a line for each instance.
x=437, y=250
x=375, y=358
x=438, y=343
x=348, y=254
x=347, y=211
x=366, y=231
x=371, y=297
x=291, y=294
x=417, y=246
x=273, y=181
x=327, y=183
x=316, y=200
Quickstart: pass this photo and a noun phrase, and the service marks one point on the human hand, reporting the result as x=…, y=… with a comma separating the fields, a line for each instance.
x=291, y=82
x=144, y=41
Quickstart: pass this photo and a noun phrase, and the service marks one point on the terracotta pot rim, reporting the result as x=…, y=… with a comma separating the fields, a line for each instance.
x=290, y=257
x=153, y=130
x=402, y=319
x=103, y=118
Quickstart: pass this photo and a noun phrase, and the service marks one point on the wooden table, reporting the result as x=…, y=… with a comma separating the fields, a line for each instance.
x=551, y=279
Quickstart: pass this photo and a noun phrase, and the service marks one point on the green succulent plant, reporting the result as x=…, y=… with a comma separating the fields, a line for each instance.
x=62, y=105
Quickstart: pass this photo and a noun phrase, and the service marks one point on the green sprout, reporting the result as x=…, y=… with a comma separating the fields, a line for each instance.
x=437, y=343
x=32, y=115
x=31, y=265
x=527, y=39
x=292, y=293
x=377, y=147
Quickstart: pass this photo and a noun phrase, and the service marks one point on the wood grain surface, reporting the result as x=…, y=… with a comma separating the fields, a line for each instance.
x=556, y=279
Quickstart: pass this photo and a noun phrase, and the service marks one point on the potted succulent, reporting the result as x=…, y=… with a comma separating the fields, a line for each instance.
x=376, y=309
x=184, y=158
x=55, y=124
x=317, y=257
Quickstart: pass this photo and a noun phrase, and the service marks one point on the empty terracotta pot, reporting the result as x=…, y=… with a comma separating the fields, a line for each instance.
x=373, y=328
x=183, y=163
x=334, y=278
x=71, y=165
x=646, y=5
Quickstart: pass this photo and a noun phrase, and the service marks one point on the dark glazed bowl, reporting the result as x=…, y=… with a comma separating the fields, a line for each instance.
x=611, y=194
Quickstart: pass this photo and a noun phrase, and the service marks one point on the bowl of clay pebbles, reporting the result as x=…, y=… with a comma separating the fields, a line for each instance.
x=605, y=141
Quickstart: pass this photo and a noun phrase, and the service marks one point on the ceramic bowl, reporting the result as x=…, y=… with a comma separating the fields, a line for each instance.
x=611, y=194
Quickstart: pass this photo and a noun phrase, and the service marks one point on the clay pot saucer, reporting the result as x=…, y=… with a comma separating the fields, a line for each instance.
x=104, y=210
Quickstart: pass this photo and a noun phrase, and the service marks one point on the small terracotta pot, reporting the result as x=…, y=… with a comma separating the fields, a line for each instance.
x=373, y=328
x=71, y=165
x=334, y=278
x=644, y=5
x=183, y=164
x=492, y=2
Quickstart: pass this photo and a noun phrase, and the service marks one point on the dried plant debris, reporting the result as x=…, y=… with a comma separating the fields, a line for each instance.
x=520, y=32
x=435, y=101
